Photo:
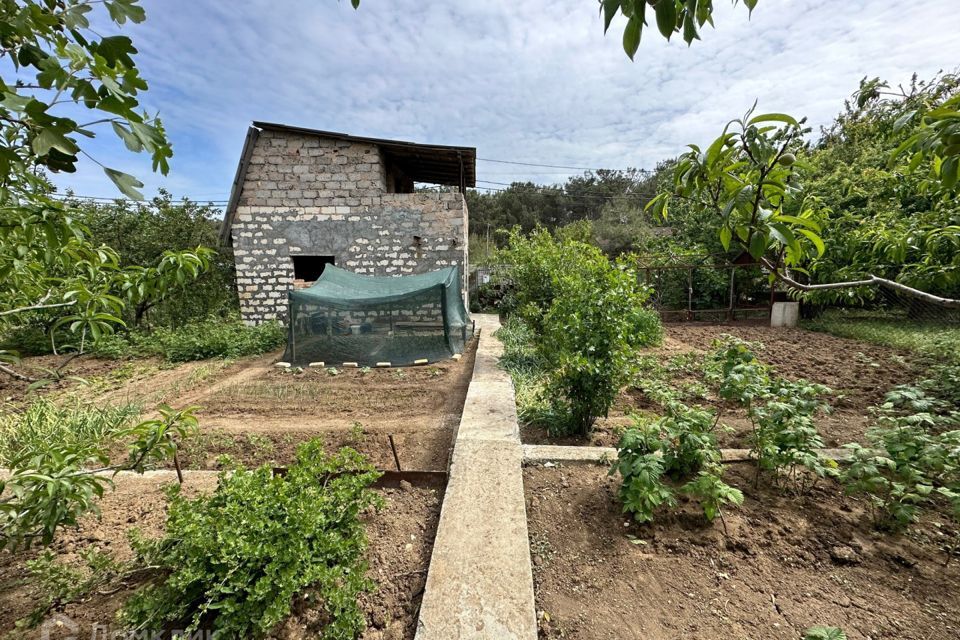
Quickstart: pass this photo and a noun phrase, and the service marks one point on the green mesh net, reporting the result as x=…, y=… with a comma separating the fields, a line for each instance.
x=345, y=317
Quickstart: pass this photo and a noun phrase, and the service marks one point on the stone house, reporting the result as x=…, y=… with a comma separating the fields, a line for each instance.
x=304, y=198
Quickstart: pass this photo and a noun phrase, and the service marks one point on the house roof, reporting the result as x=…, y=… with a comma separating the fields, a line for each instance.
x=432, y=163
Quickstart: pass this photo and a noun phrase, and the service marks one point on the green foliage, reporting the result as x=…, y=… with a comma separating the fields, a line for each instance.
x=142, y=234
x=587, y=319
x=678, y=446
x=70, y=422
x=52, y=484
x=53, y=274
x=643, y=490
x=784, y=440
x=153, y=441
x=886, y=216
x=749, y=178
x=686, y=439
x=209, y=338
x=213, y=338
x=236, y=559
x=712, y=492
x=72, y=67
x=929, y=339
x=824, y=633
x=58, y=583
x=685, y=17
x=611, y=200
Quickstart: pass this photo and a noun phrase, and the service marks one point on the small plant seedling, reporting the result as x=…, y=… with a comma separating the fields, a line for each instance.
x=400, y=374
x=365, y=370
x=434, y=372
x=357, y=435
x=333, y=371
x=713, y=493
x=824, y=633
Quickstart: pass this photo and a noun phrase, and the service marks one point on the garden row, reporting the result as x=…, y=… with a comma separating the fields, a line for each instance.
x=159, y=558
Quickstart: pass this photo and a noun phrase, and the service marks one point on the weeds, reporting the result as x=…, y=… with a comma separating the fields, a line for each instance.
x=58, y=583
x=72, y=422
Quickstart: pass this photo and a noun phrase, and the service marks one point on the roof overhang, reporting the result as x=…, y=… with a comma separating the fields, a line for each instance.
x=430, y=163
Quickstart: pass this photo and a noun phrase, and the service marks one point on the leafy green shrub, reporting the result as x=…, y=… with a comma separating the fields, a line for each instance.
x=785, y=440
x=216, y=338
x=586, y=316
x=680, y=445
x=685, y=437
x=643, y=489
x=72, y=422
x=590, y=337
x=709, y=489
x=236, y=559
x=575, y=325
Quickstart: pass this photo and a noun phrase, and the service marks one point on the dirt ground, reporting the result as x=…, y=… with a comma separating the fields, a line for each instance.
x=256, y=413
x=859, y=374
x=400, y=541
x=261, y=413
x=787, y=564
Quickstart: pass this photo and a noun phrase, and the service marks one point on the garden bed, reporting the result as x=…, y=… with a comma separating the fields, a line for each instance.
x=858, y=373
x=787, y=564
x=400, y=541
x=260, y=418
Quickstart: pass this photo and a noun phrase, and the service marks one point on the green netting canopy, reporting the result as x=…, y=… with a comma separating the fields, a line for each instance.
x=345, y=317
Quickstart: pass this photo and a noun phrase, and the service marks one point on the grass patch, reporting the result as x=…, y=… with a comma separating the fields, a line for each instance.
x=71, y=422
x=209, y=338
x=930, y=339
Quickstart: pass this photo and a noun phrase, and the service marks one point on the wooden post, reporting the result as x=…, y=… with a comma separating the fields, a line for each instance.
x=690, y=293
x=730, y=312
x=293, y=333
x=443, y=314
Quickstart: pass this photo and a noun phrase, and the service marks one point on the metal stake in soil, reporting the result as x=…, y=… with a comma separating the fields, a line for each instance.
x=393, y=447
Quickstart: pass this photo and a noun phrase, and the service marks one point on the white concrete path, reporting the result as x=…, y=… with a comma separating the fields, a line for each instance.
x=480, y=581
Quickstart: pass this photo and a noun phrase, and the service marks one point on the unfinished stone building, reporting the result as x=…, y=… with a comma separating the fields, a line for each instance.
x=303, y=199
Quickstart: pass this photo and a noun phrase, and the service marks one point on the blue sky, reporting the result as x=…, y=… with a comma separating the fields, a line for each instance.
x=532, y=81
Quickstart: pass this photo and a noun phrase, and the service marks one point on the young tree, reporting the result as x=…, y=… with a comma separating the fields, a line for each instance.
x=59, y=66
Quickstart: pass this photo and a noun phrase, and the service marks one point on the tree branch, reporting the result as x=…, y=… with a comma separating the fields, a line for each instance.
x=15, y=374
x=950, y=303
x=37, y=306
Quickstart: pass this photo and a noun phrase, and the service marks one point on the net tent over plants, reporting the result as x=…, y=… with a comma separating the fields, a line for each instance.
x=372, y=320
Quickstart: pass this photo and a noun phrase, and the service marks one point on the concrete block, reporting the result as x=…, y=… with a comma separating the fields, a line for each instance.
x=785, y=314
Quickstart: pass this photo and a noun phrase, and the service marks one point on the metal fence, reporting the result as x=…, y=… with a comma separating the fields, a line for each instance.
x=710, y=292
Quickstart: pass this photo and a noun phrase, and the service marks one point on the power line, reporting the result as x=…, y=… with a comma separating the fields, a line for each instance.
x=73, y=196
x=560, y=192
x=561, y=166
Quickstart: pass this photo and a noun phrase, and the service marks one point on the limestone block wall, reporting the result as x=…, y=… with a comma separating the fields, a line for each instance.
x=314, y=196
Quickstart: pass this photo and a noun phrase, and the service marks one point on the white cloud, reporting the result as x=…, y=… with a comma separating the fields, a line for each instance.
x=530, y=81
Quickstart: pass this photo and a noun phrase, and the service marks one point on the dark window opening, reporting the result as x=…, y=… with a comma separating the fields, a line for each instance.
x=309, y=268
x=397, y=180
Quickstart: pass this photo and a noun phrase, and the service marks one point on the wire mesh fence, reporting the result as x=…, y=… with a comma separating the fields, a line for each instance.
x=894, y=319
x=710, y=292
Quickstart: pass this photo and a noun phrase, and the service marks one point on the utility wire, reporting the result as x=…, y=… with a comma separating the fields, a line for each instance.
x=561, y=166
x=560, y=192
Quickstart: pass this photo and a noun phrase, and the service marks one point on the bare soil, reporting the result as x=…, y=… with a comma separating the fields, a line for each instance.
x=260, y=414
x=858, y=373
x=787, y=564
x=400, y=542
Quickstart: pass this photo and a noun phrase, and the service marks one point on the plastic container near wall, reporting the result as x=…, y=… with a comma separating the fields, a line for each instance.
x=784, y=314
